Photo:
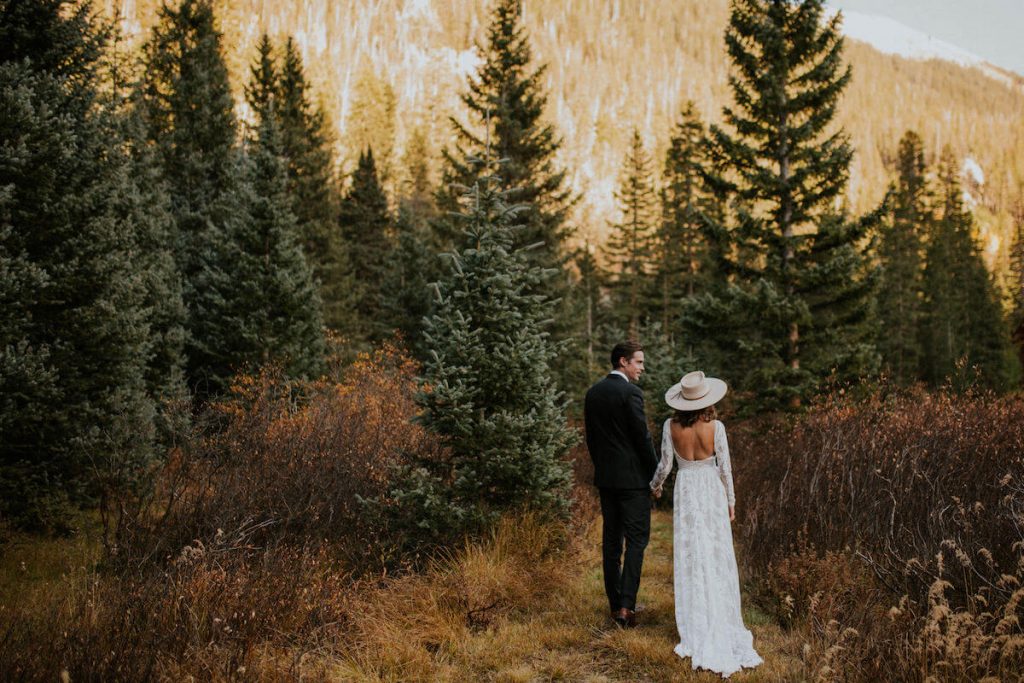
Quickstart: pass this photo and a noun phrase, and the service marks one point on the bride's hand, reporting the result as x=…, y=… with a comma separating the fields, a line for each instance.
x=732, y=513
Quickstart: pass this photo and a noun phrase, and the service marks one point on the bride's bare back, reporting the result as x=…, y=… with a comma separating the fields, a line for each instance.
x=696, y=442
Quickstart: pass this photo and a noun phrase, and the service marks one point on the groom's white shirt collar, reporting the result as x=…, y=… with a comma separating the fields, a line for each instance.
x=620, y=373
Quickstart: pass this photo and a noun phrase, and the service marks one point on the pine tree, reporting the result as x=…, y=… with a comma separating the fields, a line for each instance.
x=263, y=77
x=506, y=103
x=963, y=327
x=75, y=414
x=798, y=267
x=276, y=285
x=592, y=283
x=364, y=223
x=190, y=119
x=411, y=264
x=901, y=256
x=487, y=385
x=683, y=256
x=306, y=143
x=630, y=246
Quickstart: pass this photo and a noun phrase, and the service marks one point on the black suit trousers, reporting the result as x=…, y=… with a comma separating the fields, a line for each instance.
x=626, y=514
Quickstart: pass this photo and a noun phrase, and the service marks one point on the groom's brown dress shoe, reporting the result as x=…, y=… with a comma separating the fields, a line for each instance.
x=625, y=617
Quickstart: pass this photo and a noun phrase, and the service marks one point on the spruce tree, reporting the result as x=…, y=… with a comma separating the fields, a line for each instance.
x=487, y=385
x=191, y=122
x=306, y=143
x=964, y=331
x=798, y=267
x=630, y=246
x=364, y=223
x=411, y=264
x=506, y=104
x=682, y=255
x=901, y=255
x=75, y=414
x=275, y=288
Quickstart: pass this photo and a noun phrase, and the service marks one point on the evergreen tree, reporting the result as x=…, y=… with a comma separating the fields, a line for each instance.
x=798, y=269
x=963, y=327
x=506, y=102
x=190, y=119
x=630, y=246
x=590, y=288
x=901, y=255
x=487, y=385
x=75, y=414
x=275, y=290
x=411, y=264
x=306, y=144
x=364, y=223
x=683, y=256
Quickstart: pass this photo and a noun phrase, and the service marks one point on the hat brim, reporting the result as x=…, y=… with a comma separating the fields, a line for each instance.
x=716, y=390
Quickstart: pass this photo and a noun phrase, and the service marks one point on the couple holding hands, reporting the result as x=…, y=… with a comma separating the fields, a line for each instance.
x=628, y=472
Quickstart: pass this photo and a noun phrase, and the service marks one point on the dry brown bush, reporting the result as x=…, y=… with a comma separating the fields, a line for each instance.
x=893, y=527
x=287, y=462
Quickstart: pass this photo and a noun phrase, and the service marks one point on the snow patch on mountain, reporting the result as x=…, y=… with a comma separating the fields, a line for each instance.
x=972, y=169
x=892, y=37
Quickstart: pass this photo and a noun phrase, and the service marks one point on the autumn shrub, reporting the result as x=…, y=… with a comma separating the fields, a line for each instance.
x=288, y=462
x=894, y=528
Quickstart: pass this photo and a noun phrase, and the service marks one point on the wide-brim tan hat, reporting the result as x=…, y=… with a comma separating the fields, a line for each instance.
x=695, y=391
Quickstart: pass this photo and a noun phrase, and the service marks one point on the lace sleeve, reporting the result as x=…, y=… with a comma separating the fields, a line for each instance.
x=724, y=464
x=665, y=465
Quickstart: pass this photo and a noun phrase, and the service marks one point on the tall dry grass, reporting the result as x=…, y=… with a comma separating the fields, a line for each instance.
x=893, y=528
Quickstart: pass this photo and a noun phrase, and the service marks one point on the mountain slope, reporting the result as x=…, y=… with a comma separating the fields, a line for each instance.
x=612, y=65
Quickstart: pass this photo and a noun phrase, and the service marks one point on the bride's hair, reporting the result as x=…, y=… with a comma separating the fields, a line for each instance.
x=688, y=418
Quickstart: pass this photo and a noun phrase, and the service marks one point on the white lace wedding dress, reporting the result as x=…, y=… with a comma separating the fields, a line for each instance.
x=707, y=587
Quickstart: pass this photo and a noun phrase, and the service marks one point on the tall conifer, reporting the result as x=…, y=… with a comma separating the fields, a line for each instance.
x=902, y=259
x=488, y=386
x=506, y=104
x=682, y=255
x=963, y=327
x=794, y=259
x=306, y=145
x=630, y=246
x=75, y=413
x=190, y=119
x=364, y=222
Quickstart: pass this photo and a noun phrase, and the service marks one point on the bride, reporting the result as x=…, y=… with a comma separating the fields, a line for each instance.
x=707, y=589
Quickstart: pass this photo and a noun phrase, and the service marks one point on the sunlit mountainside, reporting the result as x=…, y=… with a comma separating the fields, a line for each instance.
x=387, y=68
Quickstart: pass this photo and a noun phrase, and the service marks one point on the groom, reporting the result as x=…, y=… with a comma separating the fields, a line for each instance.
x=624, y=463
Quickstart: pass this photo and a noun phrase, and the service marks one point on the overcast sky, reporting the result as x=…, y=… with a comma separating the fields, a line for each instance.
x=991, y=29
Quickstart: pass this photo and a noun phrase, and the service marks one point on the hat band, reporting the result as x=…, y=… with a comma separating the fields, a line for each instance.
x=693, y=397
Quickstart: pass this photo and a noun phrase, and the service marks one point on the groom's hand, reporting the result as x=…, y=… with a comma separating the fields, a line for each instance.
x=656, y=493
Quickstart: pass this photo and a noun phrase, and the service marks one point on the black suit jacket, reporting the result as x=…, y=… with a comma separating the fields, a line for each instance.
x=617, y=436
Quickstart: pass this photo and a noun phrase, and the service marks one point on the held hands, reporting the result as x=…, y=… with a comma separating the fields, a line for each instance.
x=732, y=513
x=656, y=493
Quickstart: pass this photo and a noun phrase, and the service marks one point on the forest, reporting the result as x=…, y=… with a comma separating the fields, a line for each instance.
x=261, y=374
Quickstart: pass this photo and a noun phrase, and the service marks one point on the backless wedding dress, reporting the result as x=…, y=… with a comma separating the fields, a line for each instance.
x=707, y=587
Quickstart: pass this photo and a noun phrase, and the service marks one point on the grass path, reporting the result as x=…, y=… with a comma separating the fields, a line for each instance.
x=574, y=640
